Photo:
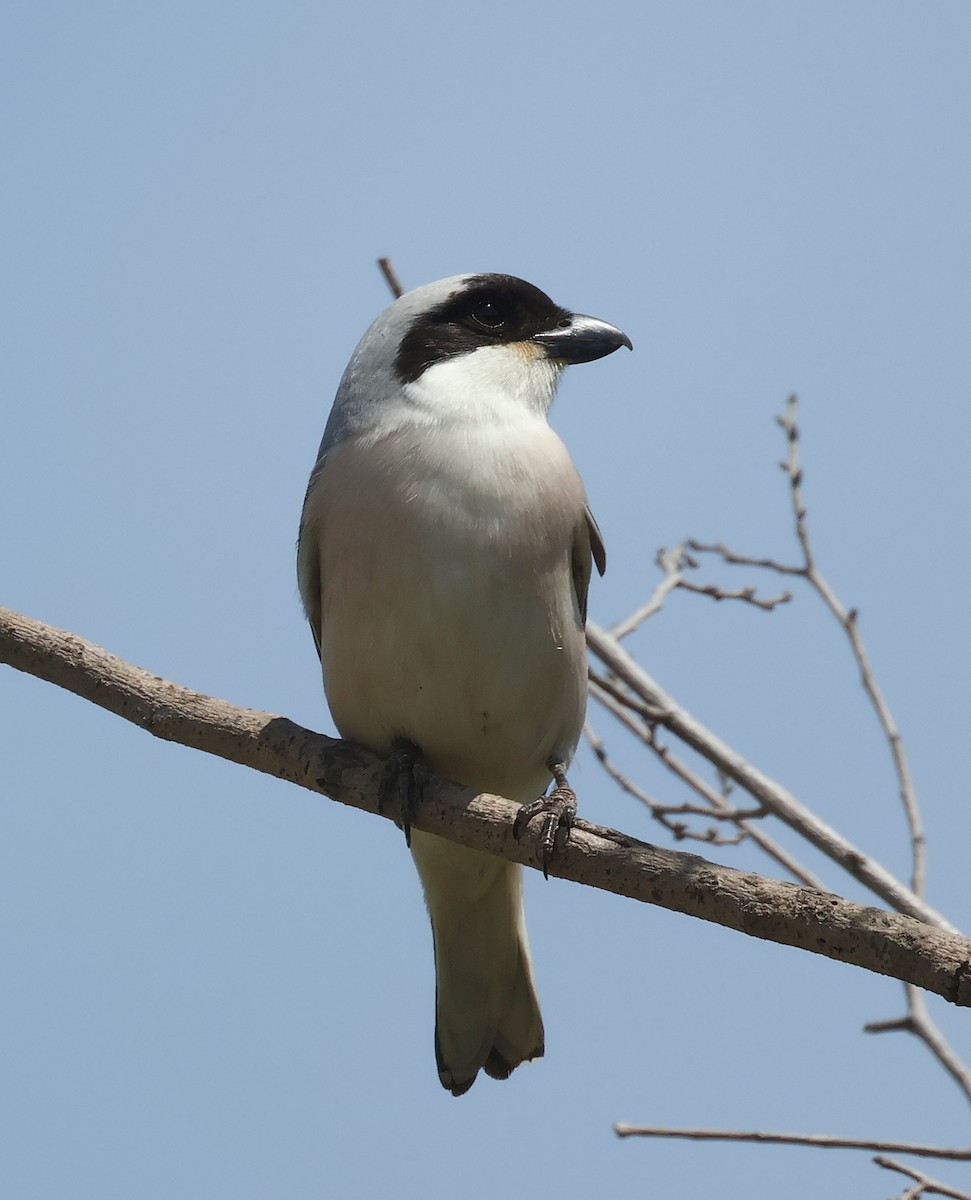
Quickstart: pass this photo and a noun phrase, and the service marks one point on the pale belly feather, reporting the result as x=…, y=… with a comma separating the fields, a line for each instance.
x=448, y=612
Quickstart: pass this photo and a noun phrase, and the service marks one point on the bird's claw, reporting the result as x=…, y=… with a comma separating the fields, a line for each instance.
x=402, y=784
x=560, y=807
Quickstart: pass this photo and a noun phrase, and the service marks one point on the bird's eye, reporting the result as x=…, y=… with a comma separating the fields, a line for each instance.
x=489, y=313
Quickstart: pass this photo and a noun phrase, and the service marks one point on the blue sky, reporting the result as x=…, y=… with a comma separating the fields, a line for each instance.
x=215, y=985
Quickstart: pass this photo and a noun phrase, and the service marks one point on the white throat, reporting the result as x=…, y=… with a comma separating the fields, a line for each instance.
x=492, y=384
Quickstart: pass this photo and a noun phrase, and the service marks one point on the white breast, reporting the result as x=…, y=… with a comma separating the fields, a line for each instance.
x=448, y=610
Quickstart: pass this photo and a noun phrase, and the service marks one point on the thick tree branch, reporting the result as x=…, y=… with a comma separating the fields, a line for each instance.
x=889, y=944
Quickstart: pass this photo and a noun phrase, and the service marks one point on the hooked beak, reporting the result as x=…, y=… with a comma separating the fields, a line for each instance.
x=580, y=339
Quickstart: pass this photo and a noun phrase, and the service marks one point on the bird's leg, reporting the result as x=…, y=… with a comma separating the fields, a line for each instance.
x=402, y=783
x=560, y=807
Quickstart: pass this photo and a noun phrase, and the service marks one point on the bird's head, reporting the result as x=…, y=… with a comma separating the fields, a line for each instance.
x=468, y=347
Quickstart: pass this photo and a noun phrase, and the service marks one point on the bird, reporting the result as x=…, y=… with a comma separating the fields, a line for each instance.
x=445, y=551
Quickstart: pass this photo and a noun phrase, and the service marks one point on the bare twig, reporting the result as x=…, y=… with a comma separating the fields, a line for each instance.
x=925, y=1184
x=918, y=1021
x=667, y=560
x=819, y=1141
x=391, y=277
x=743, y=560
x=663, y=813
x=674, y=563
x=674, y=764
x=847, y=618
x=746, y=594
x=649, y=714
x=803, y=917
x=667, y=712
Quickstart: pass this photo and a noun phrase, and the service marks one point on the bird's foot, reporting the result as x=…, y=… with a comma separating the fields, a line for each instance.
x=403, y=783
x=560, y=807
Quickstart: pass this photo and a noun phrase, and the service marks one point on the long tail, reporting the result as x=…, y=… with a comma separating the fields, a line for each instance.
x=486, y=1011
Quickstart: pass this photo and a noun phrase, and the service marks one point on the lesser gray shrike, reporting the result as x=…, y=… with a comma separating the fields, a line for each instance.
x=445, y=552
